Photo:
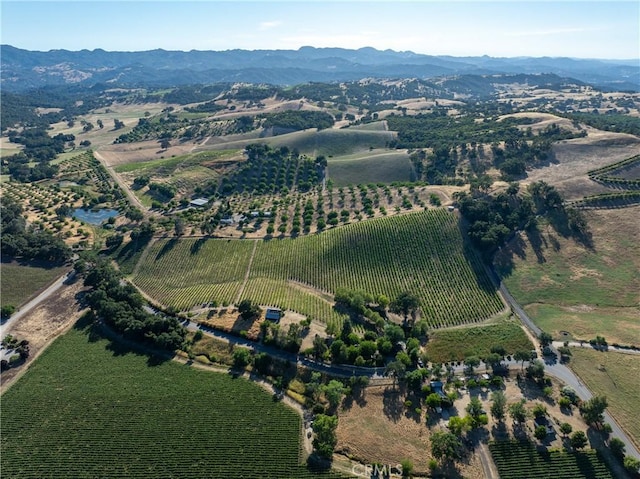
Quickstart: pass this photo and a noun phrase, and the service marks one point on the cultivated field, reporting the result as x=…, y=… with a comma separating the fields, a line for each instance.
x=521, y=460
x=20, y=282
x=422, y=252
x=376, y=166
x=88, y=408
x=616, y=376
x=568, y=285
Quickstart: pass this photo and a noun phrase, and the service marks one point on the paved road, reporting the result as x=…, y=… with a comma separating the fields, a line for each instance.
x=53, y=287
x=563, y=373
x=587, y=345
x=342, y=370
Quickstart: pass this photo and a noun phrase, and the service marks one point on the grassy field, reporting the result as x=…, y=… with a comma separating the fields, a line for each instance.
x=521, y=460
x=576, y=283
x=88, y=408
x=371, y=167
x=621, y=324
x=330, y=142
x=459, y=343
x=20, y=282
x=420, y=252
x=168, y=166
x=616, y=376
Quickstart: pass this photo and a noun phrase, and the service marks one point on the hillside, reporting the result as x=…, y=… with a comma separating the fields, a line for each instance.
x=23, y=69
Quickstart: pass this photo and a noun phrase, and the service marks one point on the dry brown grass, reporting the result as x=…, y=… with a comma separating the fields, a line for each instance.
x=575, y=158
x=616, y=376
x=569, y=287
x=380, y=429
x=43, y=324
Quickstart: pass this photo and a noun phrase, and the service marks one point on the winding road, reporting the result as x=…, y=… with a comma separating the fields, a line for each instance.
x=552, y=368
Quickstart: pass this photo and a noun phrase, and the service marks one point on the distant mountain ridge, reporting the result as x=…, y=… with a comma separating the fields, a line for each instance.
x=24, y=69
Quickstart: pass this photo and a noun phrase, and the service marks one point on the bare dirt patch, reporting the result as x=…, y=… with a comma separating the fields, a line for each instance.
x=44, y=323
x=380, y=429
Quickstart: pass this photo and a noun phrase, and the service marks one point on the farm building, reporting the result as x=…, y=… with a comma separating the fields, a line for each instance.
x=273, y=314
x=199, y=202
x=436, y=387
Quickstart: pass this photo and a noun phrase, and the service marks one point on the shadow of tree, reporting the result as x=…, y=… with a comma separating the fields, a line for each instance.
x=393, y=405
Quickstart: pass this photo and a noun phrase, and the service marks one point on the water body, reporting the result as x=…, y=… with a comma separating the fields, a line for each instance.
x=94, y=217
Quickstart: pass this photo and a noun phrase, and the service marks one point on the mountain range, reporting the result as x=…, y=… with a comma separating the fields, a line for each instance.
x=24, y=69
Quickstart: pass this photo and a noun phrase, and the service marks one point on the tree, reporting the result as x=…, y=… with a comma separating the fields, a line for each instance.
x=539, y=410
x=405, y=303
x=631, y=464
x=498, y=405
x=117, y=124
x=241, y=357
x=100, y=124
x=536, y=369
x=471, y=362
x=617, y=447
x=165, y=143
x=540, y=432
x=383, y=301
x=518, y=412
x=474, y=408
x=114, y=241
x=593, y=409
x=459, y=425
x=545, y=339
x=397, y=370
x=493, y=360
x=566, y=428
x=7, y=310
x=248, y=310
x=178, y=226
x=499, y=349
x=407, y=467
x=319, y=347
x=445, y=445
x=522, y=356
x=334, y=391
x=433, y=400
x=325, y=439
x=579, y=440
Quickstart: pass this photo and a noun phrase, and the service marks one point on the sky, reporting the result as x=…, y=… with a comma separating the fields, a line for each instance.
x=508, y=28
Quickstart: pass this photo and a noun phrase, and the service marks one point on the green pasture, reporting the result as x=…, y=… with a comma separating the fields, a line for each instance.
x=459, y=343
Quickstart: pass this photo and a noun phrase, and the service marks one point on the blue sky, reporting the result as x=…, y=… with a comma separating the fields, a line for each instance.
x=581, y=29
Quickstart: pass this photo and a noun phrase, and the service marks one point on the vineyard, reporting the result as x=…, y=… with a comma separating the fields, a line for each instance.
x=421, y=252
x=622, y=173
x=521, y=460
x=89, y=409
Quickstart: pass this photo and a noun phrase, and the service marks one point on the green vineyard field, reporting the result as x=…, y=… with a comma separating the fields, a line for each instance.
x=90, y=409
x=521, y=460
x=421, y=252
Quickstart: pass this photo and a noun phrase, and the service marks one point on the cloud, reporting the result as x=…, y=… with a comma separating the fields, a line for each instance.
x=269, y=25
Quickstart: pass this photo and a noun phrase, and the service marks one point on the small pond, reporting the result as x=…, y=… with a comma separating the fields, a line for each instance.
x=94, y=217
